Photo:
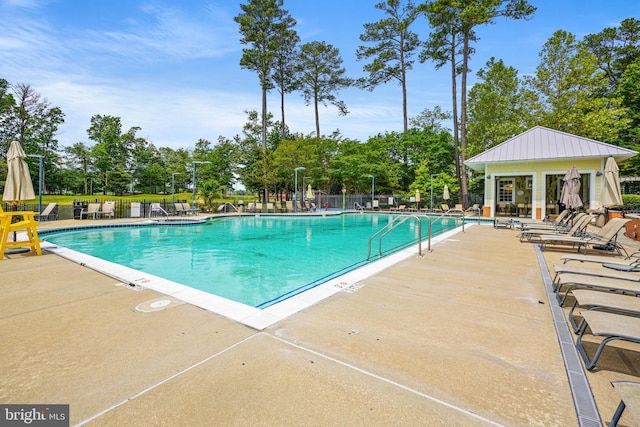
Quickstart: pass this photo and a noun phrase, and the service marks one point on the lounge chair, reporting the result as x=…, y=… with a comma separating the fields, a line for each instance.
x=108, y=210
x=309, y=206
x=271, y=207
x=611, y=326
x=631, y=259
x=258, y=207
x=91, y=209
x=573, y=281
x=605, y=301
x=190, y=210
x=605, y=239
x=502, y=223
x=179, y=209
x=561, y=217
x=597, y=271
x=564, y=220
x=376, y=205
x=49, y=213
x=629, y=392
x=577, y=228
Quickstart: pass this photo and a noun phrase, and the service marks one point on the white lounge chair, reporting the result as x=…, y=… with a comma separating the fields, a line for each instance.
x=190, y=210
x=179, y=208
x=108, y=210
x=92, y=210
x=49, y=213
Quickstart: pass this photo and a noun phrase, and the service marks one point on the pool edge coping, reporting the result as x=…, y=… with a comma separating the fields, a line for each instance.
x=253, y=317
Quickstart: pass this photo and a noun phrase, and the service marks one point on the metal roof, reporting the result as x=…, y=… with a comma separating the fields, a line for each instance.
x=541, y=143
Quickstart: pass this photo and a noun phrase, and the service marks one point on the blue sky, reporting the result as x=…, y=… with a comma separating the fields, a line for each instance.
x=172, y=68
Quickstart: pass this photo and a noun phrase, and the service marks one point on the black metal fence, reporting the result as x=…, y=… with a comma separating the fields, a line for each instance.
x=142, y=208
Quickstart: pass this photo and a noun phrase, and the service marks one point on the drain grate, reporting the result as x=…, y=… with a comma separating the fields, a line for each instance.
x=585, y=405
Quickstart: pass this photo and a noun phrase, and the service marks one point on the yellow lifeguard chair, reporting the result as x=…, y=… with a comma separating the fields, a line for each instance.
x=26, y=222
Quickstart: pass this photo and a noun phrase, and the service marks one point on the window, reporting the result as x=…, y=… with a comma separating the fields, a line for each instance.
x=505, y=190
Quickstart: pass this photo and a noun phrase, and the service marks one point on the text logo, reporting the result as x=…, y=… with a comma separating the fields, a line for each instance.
x=34, y=415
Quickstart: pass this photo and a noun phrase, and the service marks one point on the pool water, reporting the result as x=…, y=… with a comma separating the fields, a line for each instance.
x=254, y=260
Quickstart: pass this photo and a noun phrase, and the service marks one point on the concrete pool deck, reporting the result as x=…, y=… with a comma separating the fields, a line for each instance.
x=461, y=336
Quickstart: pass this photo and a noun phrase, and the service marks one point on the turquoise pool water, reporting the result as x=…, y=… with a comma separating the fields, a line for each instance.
x=254, y=260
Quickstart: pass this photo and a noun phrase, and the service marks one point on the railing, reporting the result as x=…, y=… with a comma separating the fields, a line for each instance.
x=390, y=227
x=225, y=207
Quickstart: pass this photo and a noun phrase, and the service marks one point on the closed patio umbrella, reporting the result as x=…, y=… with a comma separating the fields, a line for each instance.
x=310, y=194
x=570, y=196
x=611, y=194
x=445, y=193
x=18, y=186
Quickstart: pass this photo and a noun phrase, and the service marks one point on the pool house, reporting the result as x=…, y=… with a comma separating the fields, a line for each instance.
x=523, y=175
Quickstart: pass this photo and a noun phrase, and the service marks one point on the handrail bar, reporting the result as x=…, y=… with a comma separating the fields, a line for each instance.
x=232, y=205
x=392, y=225
x=390, y=229
x=380, y=231
x=431, y=221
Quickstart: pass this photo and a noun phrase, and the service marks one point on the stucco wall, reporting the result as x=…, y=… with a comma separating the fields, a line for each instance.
x=538, y=172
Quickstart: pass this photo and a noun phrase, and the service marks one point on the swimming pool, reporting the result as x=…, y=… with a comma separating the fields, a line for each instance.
x=254, y=260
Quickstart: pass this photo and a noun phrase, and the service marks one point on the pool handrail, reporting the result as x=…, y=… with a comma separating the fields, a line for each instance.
x=390, y=227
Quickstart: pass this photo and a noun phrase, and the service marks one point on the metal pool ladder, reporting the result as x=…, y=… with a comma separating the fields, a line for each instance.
x=390, y=227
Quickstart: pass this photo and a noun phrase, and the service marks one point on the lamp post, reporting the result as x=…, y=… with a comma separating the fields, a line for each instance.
x=344, y=198
x=40, y=157
x=295, y=191
x=431, y=205
x=304, y=189
x=173, y=182
x=193, y=196
x=373, y=188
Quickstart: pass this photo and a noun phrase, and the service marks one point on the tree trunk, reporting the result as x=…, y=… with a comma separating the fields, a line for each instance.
x=463, y=122
x=315, y=103
x=454, y=102
x=282, y=132
x=404, y=89
x=264, y=143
